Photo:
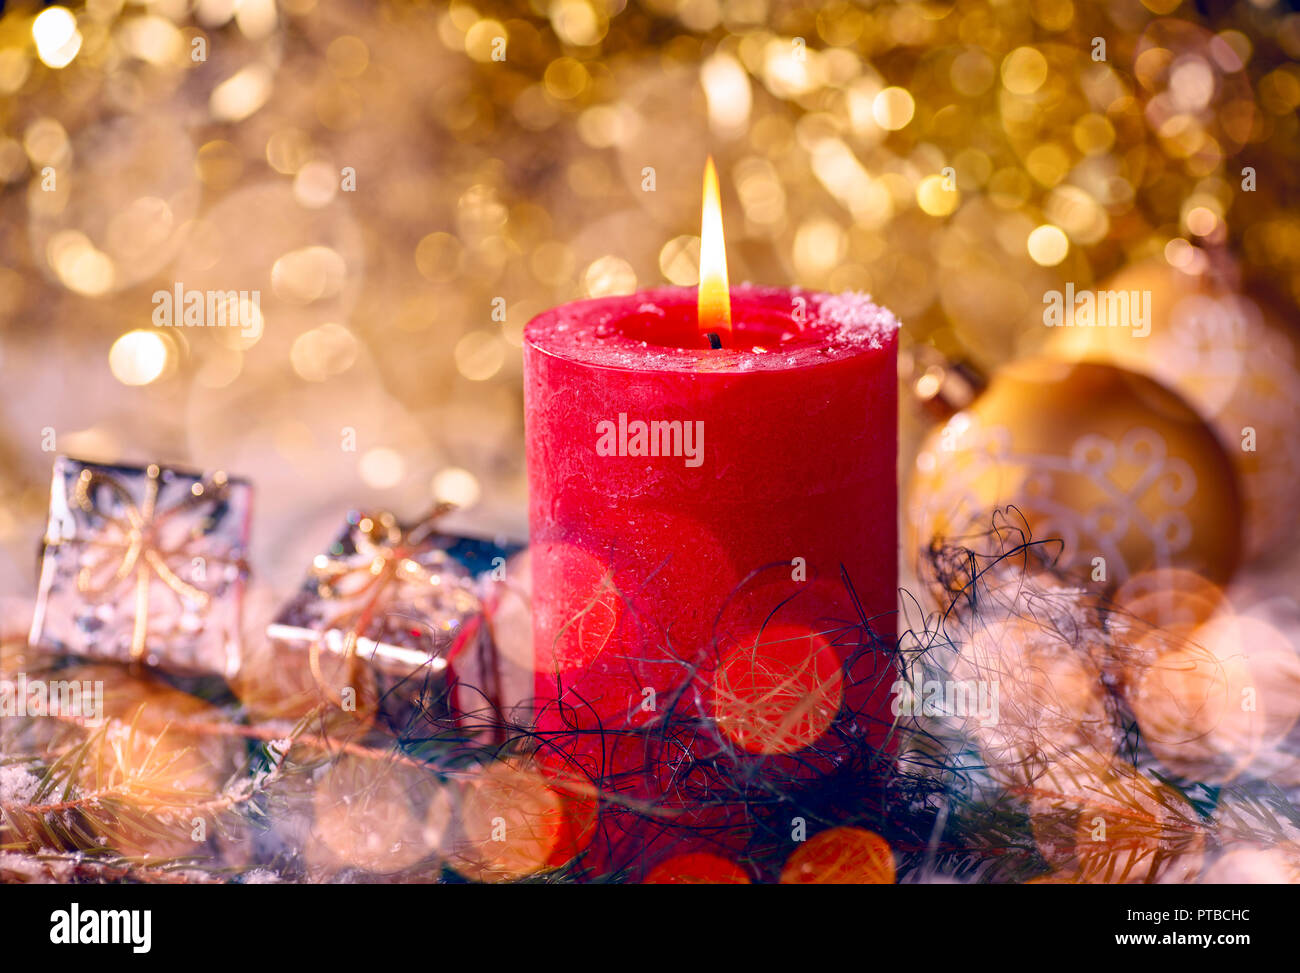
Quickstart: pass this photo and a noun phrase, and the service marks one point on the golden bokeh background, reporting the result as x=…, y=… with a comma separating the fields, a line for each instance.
x=404, y=184
x=382, y=194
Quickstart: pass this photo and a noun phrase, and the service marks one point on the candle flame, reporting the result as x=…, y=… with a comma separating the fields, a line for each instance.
x=715, y=299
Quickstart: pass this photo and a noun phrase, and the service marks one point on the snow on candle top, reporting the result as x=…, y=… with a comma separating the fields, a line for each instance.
x=773, y=329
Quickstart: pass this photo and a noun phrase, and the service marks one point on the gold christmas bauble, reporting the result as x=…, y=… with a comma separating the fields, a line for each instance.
x=1234, y=357
x=1118, y=469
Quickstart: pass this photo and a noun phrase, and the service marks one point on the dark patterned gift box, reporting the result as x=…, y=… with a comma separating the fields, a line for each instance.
x=390, y=623
x=146, y=565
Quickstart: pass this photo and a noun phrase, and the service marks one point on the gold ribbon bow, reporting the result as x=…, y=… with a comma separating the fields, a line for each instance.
x=139, y=551
x=387, y=553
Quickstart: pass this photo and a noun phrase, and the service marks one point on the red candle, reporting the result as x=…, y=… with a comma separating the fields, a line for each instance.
x=711, y=527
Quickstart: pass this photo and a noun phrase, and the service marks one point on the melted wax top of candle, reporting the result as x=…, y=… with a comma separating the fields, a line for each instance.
x=658, y=330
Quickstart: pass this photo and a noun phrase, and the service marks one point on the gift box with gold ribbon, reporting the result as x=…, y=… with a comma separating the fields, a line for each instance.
x=390, y=624
x=144, y=565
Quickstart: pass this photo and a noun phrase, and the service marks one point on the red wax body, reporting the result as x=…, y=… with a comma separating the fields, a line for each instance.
x=704, y=573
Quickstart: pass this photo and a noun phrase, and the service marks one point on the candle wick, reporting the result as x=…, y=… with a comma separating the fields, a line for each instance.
x=714, y=341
